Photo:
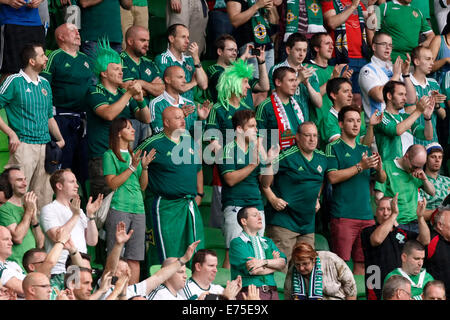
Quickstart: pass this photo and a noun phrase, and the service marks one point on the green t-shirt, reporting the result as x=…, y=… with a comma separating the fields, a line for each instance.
x=330, y=126
x=404, y=23
x=173, y=172
x=323, y=75
x=10, y=214
x=163, y=101
x=97, y=127
x=101, y=20
x=140, y=3
x=445, y=89
x=69, y=78
x=145, y=70
x=442, y=187
x=425, y=90
x=297, y=181
x=407, y=186
x=416, y=288
x=267, y=120
x=301, y=95
x=246, y=193
x=128, y=197
x=28, y=107
x=423, y=6
x=167, y=59
x=213, y=73
x=389, y=144
x=240, y=250
x=351, y=198
x=220, y=118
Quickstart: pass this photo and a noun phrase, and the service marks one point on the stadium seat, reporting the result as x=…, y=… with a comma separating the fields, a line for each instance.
x=222, y=276
x=154, y=268
x=321, y=243
x=361, y=288
x=207, y=190
x=280, y=277
x=214, y=238
x=157, y=8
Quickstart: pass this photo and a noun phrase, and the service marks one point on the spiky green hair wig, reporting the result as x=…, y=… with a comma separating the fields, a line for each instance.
x=230, y=81
x=103, y=55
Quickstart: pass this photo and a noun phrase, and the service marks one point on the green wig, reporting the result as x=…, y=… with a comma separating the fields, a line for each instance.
x=230, y=81
x=102, y=56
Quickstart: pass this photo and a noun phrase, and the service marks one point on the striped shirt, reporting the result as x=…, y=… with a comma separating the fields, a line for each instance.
x=192, y=289
x=163, y=293
x=28, y=107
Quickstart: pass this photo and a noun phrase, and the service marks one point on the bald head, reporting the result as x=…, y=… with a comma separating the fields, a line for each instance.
x=134, y=31
x=36, y=286
x=170, y=72
x=67, y=36
x=416, y=157
x=5, y=243
x=137, y=39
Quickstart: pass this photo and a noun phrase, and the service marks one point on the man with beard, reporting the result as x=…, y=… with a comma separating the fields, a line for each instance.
x=27, y=98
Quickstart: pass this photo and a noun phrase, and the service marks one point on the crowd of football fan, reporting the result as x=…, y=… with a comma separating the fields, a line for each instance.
x=304, y=121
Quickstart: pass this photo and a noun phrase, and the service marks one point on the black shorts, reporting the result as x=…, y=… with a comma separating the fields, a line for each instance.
x=12, y=40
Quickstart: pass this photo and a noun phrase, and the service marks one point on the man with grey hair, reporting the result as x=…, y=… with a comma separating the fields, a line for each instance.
x=434, y=290
x=437, y=255
x=397, y=288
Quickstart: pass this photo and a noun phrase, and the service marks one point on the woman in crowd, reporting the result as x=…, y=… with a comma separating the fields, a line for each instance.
x=126, y=174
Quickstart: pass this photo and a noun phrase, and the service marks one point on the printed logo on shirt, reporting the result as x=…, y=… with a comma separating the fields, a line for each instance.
x=319, y=168
x=188, y=67
x=230, y=117
x=168, y=153
x=44, y=92
x=395, y=174
x=347, y=155
x=133, y=69
x=86, y=64
x=415, y=14
x=110, y=99
x=300, y=168
x=400, y=237
x=148, y=72
x=28, y=90
x=67, y=65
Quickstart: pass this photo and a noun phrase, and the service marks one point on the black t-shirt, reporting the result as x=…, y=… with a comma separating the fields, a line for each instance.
x=387, y=256
x=244, y=33
x=437, y=260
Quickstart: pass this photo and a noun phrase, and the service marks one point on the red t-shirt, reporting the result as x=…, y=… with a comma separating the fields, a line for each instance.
x=353, y=30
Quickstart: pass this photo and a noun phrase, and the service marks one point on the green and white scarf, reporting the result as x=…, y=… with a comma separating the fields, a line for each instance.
x=260, y=26
x=315, y=290
x=314, y=12
x=258, y=245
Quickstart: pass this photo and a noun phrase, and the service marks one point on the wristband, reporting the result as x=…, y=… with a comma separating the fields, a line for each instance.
x=133, y=169
x=91, y=218
x=74, y=253
x=61, y=243
x=145, y=168
x=358, y=167
x=36, y=225
x=427, y=119
x=406, y=75
x=200, y=194
x=141, y=104
x=262, y=62
x=182, y=263
x=198, y=65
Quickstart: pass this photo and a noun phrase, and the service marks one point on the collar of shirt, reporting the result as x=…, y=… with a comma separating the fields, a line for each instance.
x=382, y=64
x=28, y=79
x=171, y=100
x=396, y=2
x=334, y=112
x=247, y=239
x=416, y=83
x=183, y=57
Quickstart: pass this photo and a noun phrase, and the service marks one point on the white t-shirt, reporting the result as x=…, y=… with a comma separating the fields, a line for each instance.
x=192, y=288
x=162, y=293
x=55, y=215
x=10, y=269
x=440, y=13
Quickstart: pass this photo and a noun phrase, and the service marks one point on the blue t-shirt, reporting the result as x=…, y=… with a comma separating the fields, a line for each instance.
x=23, y=16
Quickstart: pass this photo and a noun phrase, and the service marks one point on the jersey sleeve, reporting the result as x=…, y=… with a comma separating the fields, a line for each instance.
x=109, y=167
x=425, y=27
x=331, y=127
x=387, y=126
x=261, y=118
x=332, y=162
x=7, y=91
x=228, y=162
x=238, y=256
x=156, y=122
x=96, y=99
x=6, y=218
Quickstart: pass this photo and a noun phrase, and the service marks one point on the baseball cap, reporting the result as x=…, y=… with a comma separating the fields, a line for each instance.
x=433, y=145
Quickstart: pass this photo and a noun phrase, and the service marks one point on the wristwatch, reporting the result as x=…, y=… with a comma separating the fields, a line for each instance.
x=198, y=65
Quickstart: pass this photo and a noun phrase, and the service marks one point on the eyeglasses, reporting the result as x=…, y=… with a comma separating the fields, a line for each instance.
x=46, y=286
x=384, y=44
x=407, y=293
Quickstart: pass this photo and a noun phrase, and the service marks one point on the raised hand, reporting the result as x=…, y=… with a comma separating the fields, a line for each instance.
x=304, y=73
x=252, y=294
x=397, y=67
x=136, y=158
x=121, y=233
x=74, y=205
x=204, y=109
x=193, y=50
x=419, y=174
x=368, y=162
x=421, y=207
x=147, y=158
x=275, y=254
x=394, y=205
x=423, y=103
x=262, y=54
x=406, y=64
x=187, y=109
x=376, y=119
x=273, y=153
x=92, y=207
x=30, y=202
x=189, y=252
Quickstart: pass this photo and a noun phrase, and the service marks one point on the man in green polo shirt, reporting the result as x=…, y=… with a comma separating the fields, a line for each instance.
x=350, y=166
x=136, y=66
x=178, y=37
x=101, y=19
x=106, y=101
x=413, y=255
x=175, y=84
x=307, y=93
x=27, y=99
x=294, y=197
x=422, y=60
x=227, y=53
x=69, y=73
x=405, y=176
x=280, y=115
x=404, y=23
x=19, y=216
x=394, y=134
x=240, y=172
x=255, y=258
x=174, y=190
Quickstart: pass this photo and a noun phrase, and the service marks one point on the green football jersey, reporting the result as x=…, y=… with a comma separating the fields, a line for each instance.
x=101, y=20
